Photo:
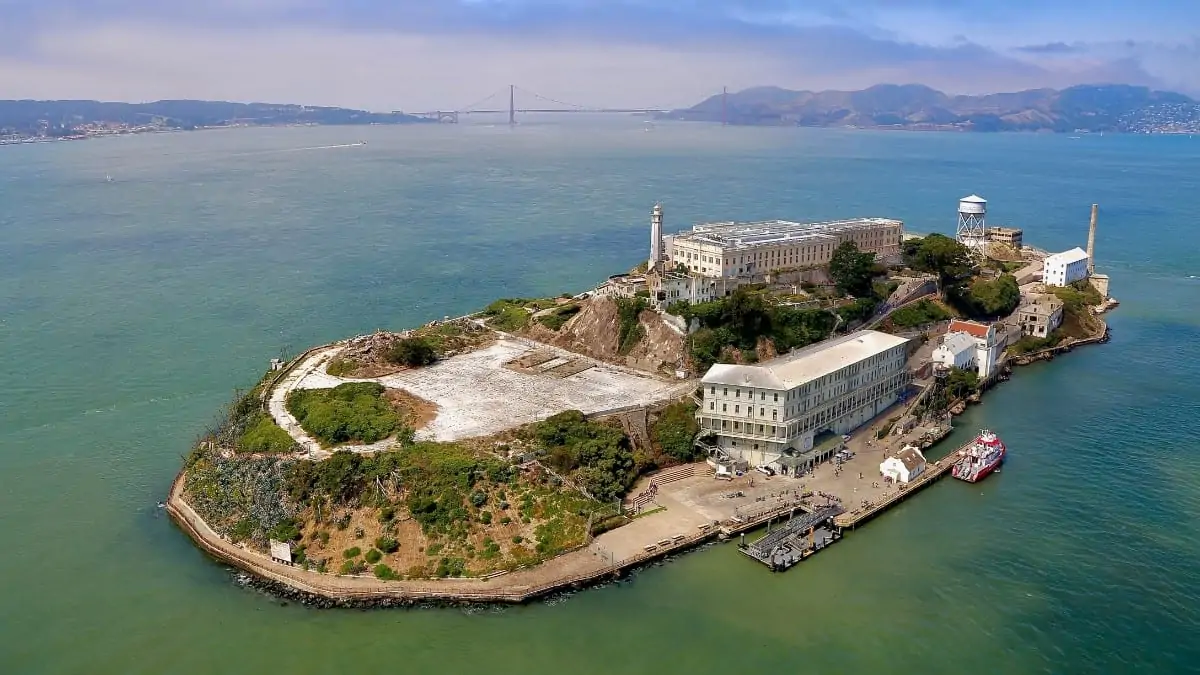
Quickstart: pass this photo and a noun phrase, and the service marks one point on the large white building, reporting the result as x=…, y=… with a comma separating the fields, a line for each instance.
x=745, y=249
x=989, y=344
x=759, y=413
x=1063, y=269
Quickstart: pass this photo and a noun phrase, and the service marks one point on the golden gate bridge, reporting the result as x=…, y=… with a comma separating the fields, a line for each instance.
x=490, y=106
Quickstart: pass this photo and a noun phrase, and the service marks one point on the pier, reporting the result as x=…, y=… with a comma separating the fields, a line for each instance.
x=933, y=471
x=795, y=540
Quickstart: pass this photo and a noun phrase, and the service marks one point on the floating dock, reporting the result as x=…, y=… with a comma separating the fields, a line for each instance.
x=795, y=540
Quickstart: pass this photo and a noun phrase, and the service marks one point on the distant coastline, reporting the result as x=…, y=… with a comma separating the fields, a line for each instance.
x=914, y=107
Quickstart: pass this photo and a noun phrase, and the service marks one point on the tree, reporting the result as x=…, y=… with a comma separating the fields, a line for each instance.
x=852, y=270
x=412, y=352
x=940, y=255
x=675, y=429
x=995, y=297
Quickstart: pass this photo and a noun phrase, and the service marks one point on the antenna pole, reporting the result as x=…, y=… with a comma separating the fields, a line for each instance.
x=512, y=104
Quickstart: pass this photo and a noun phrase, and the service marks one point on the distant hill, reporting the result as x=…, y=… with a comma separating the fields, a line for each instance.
x=64, y=117
x=915, y=106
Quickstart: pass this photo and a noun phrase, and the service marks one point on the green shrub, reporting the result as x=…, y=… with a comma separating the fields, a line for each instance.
x=517, y=539
x=555, y=318
x=385, y=573
x=352, y=567
x=263, y=435
x=412, y=352
x=675, y=429
x=373, y=556
x=354, y=411
x=387, y=544
x=285, y=530
x=351, y=552
x=485, y=517
x=387, y=514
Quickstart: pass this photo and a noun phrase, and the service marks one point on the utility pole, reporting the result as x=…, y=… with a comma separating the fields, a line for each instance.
x=512, y=104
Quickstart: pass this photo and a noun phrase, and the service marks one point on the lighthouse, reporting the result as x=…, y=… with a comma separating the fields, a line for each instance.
x=656, y=238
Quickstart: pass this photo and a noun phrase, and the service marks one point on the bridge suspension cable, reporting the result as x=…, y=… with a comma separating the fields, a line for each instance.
x=483, y=100
x=550, y=100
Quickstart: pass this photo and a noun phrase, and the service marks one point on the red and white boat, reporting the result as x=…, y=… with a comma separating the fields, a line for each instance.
x=984, y=455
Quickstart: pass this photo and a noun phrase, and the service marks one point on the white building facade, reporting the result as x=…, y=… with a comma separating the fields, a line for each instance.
x=988, y=344
x=746, y=249
x=904, y=466
x=759, y=413
x=1063, y=269
x=958, y=350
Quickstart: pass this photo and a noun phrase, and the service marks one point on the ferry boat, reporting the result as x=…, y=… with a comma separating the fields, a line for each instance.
x=984, y=456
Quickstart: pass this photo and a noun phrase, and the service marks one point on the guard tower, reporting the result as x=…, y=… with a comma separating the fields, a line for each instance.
x=972, y=223
x=656, y=238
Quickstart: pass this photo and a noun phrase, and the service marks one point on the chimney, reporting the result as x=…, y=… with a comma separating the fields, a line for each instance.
x=1091, y=249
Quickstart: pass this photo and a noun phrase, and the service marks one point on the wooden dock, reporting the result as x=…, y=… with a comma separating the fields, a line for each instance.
x=795, y=540
x=933, y=471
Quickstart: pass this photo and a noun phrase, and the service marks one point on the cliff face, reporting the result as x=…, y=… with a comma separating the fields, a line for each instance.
x=594, y=332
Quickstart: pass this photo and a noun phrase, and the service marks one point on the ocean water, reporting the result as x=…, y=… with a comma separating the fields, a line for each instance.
x=130, y=309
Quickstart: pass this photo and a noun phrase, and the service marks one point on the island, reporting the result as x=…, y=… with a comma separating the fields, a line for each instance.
x=731, y=381
x=1080, y=109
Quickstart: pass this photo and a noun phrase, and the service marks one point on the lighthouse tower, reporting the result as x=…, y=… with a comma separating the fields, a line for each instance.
x=656, y=238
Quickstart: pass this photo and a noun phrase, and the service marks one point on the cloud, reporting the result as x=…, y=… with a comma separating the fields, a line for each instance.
x=411, y=54
x=1050, y=48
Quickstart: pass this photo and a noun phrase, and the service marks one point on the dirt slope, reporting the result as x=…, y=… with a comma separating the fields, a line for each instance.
x=594, y=330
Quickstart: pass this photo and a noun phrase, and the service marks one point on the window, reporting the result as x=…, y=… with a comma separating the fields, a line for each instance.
x=737, y=393
x=712, y=405
x=763, y=396
x=774, y=415
x=726, y=391
x=737, y=409
x=776, y=398
x=762, y=411
x=713, y=391
x=724, y=408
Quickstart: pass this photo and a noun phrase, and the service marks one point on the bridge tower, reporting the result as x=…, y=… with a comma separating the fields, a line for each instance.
x=512, y=104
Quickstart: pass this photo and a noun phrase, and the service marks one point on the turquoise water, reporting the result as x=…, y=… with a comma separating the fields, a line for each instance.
x=129, y=310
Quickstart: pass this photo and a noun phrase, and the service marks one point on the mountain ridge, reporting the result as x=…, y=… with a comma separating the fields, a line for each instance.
x=1120, y=108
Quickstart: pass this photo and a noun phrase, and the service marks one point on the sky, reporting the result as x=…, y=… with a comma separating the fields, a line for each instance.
x=418, y=55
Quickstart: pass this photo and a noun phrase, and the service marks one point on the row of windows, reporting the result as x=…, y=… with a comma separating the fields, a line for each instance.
x=737, y=410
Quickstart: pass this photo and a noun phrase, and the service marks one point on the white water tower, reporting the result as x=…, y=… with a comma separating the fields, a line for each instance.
x=972, y=223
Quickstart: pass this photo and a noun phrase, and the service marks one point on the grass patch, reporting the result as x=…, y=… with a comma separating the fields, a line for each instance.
x=555, y=319
x=341, y=367
x=262, y=435
x=351, y=412
x=507, y=314
x=919, y=313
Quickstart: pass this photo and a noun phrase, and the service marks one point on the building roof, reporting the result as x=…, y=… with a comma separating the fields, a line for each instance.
x=971, y=328
x=1066, y=257
x=997, y=229
x=1042, y=305
x=911, y=457
x=957, y=343
x=804, y=365
x=735, y=235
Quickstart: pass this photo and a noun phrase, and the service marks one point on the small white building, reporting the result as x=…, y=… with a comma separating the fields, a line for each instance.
x=957, y=350
x=1063, y=269
x=281, y=551
x=904, y=466
x=988, y=344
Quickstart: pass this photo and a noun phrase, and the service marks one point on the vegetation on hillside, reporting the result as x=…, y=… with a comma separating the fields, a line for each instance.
x=919, y=313
x=629, y=329
x=507, y=314
x=555, y=319
x=598, y=456
x=350, y=412
x=951, y=261
x=412, y=352
x=740, y=319
x=245, y=427
x=674, y=431
x=987, y=298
